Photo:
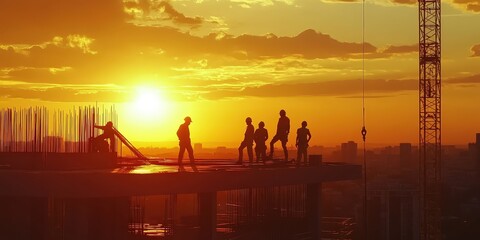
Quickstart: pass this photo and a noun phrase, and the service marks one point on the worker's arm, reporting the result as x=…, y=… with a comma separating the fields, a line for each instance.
x=266, y=134
x=101, y=127
x=296, y=140
x=309, y=136
x=288, y=125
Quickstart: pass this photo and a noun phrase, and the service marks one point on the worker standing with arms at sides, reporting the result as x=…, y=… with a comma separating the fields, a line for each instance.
x=260, y=136
x=185, y=143
x=283, y=128
x=303, y=137
x=247, y=142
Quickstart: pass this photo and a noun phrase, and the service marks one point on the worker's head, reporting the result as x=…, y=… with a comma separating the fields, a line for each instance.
x=109, y=124
x=283, y=113
x=188, y=119
x=261, y=124
x=248, y=120
x=304, y=124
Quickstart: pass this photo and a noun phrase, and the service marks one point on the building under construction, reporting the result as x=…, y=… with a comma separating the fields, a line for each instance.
x=52, y=186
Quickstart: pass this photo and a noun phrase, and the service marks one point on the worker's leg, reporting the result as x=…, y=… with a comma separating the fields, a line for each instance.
x=240, y=152
x=192, y=158
x=274, y=140
x=250, y=152
x=264, y=153
x=180, y=156
x=299, y=155
x=305, y=155
x=258, y=152
x=285, y=150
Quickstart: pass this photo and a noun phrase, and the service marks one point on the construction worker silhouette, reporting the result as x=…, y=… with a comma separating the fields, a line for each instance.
x=283, y=128
x=108, y=133
x=183, y=134
x=260, y=136
x=247, y=142
x=303, y=137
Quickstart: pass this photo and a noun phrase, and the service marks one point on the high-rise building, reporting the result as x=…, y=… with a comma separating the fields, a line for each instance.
x=405, y=152
x=349, y=151
x=393, y=211
x=198, y=147
x=478, y=139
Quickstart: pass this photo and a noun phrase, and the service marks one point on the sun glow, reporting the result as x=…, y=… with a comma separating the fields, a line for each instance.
x=149, y=104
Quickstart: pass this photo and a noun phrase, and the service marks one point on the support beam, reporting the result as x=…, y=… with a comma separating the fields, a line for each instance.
x=207, y=203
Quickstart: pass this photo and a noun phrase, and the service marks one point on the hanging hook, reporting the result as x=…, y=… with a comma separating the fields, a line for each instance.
x=364, y=133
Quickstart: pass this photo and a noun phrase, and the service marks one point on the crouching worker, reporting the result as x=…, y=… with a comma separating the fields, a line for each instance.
x=99, y=143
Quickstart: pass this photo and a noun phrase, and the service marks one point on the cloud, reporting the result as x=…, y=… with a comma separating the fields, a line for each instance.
x=155, y=11
x=401, y=49
x=471, y=5
x=318, y=88
x=475, y=50
x=264, y=3
x=63, y=94
x=30, y=21
x=406, y=2
x=58, y=52
x=471, y=79
x=78, y=45
x=309, y=44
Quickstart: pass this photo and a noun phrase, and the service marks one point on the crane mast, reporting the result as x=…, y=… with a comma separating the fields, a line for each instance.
x=430, y=118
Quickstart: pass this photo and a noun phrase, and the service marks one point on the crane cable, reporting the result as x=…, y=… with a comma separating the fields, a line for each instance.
x=364, y=129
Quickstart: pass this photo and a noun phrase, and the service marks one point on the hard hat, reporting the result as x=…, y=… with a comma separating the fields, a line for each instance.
x=187, y=119
x=109, y=124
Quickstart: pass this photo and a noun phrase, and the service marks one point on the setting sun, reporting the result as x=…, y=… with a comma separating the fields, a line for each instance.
x=149, y=104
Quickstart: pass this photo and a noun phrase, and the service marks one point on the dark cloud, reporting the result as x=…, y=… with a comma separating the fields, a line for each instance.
x=408, y=2
x=475, y=50
x=49, y=56
x=308, y=44
x=471, y=79
x=178, y=17
x=471, y=5
x=167, y=11
x=319, y=88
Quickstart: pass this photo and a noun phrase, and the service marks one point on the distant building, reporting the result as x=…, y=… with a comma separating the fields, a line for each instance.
x=349, y=151
x=198, y=147
x=477, y=151
x=405, y=152
x=393, y=211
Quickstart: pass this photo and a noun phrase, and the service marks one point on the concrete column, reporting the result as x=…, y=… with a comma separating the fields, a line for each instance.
x=313, y=209
x=314, y=201
x=39, y=218
x=207, y=204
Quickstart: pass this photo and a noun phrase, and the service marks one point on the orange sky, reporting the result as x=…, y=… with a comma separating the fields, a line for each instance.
x=220, y=61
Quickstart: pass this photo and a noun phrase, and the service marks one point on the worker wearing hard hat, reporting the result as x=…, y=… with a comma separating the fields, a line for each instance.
x=185, y=143
x=247, y=142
